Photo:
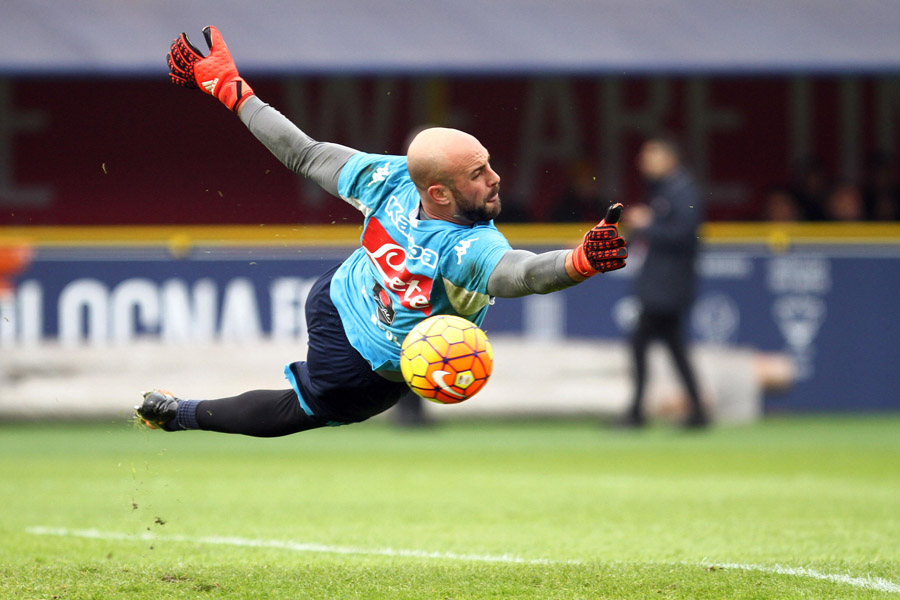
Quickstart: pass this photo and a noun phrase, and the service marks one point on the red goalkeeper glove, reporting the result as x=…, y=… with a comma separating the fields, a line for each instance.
x=214, y=74
x=603, y=249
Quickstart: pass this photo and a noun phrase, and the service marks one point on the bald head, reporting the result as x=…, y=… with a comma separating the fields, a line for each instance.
x=452, y=172
x=437, y=154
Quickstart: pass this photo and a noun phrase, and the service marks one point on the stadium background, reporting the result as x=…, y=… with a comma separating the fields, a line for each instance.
x=140, y=200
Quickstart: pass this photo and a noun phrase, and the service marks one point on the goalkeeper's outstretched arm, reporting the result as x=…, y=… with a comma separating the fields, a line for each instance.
x=521, y=272
x=320, y=161
x=217, y=75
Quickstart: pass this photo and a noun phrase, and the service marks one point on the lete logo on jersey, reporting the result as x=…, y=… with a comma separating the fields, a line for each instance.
x=414, y=291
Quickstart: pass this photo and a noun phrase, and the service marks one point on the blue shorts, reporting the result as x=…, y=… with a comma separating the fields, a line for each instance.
x=335, y=383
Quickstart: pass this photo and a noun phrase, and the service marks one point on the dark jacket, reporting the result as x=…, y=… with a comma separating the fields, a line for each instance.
x=668, y=278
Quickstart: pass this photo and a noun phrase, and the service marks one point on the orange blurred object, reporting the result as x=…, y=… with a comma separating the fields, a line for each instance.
x=14, y=257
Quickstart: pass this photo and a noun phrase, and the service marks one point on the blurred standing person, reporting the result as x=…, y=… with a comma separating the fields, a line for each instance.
x=667, y=227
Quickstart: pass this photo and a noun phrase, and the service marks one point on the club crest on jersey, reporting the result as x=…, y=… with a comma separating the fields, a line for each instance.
x=384, y=304
x=389, y=258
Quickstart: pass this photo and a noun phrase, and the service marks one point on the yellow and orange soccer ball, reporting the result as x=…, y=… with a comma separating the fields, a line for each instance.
x=446, y=359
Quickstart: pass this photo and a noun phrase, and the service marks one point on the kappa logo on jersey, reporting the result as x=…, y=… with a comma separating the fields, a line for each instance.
x=463, y=247
x=210, y=86
x=380, y=174
x=389, y=257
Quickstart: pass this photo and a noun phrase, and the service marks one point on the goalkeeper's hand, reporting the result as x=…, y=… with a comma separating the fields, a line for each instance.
x=214, y=74
x=603, y=249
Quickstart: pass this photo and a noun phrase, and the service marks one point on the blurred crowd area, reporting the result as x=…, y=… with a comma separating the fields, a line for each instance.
x=140, y=151
x=815, y=194
x=812, y=193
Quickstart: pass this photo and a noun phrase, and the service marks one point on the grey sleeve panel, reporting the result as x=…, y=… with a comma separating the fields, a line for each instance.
x=320, y=161
x=521, y=272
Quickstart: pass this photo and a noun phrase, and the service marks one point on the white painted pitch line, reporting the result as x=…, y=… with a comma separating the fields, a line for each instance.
x=295, y=546
x=868, y=582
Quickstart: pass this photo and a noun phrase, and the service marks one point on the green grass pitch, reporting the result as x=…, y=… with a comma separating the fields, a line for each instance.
x=789, y=508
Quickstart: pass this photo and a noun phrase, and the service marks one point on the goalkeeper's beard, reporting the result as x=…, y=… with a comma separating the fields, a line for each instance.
x=477, y=210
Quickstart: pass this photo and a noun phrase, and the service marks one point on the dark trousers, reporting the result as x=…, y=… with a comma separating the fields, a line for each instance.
x=666, y=327
x=337, y=384
x=259, y=413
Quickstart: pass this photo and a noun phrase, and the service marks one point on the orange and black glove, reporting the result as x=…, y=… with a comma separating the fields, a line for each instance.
x=603, y=249
x=214, y=74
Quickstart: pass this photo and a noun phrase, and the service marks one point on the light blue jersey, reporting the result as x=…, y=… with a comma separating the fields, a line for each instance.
x=407, y=269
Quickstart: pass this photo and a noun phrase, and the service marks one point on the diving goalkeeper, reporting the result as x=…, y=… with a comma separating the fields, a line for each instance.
x=429, y=246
